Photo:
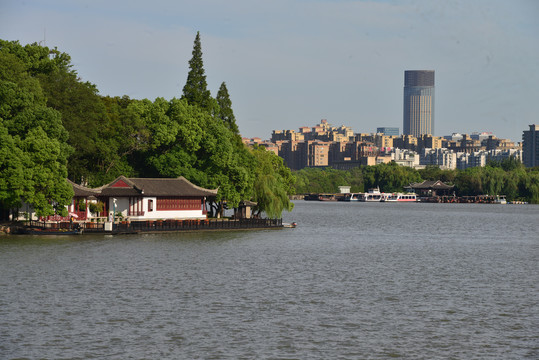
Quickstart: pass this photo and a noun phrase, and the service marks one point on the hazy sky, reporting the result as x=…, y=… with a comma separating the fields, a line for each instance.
x=292, y=63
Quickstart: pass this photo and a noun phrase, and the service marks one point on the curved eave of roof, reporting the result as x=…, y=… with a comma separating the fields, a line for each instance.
x=171, y=187
x=430, y=185
x=209, y=192
x=80, y=190
x=146, y=187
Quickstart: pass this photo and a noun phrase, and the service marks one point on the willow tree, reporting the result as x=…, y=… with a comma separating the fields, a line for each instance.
x=195, y=90
x=273, y=184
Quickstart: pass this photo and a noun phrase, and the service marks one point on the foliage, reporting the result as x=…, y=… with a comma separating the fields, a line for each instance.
x=96, y=208
x=33, y=142
x=195, y=89
x=273, y=183
x=508, y=178
x=225, y=109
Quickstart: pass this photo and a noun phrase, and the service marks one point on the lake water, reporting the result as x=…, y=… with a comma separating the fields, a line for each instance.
x=352, y=281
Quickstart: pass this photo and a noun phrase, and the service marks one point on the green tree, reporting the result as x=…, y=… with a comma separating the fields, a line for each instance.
x=469, y=182
x=225, y=109
x=273, y=183
x=33, y=142
x=187, y=141
x=195, y=90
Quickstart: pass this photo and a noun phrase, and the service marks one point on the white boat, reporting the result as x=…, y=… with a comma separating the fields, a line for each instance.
x=409, y=197
x=399, y=197
x=353, y=197
x=500, y=199
x=373, y=195
x=389, y=197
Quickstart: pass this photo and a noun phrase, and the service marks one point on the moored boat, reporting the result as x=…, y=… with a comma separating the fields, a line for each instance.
x=373, y=195
x=500, y=199
x=353, y=197
x=410, y=197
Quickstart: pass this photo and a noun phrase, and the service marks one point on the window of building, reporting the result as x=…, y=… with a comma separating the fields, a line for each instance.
x=150, y=205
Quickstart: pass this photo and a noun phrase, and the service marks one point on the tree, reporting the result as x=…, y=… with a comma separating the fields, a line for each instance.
x=187, y=141
x=225, y=109
x=469, y=182
x=33, y=143
x=195, y=90
x=273, y=183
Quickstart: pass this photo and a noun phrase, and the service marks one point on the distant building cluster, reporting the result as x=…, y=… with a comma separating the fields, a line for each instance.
x=339, y=147
x=325, y=145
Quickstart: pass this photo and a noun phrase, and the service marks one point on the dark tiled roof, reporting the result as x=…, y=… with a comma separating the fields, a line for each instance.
x=147, y=187
x=170, y=187
x=81, y=190
x=429, y=184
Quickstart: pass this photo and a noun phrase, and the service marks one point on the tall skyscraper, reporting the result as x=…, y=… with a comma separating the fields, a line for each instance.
x=418, y=102
x=530, y=146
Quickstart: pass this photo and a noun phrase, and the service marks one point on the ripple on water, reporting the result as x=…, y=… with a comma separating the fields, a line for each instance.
x=352, y=281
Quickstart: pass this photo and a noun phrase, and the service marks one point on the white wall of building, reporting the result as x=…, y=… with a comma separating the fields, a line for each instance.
x=122, y=206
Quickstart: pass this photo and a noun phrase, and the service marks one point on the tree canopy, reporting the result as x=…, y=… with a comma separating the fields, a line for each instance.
x=33, y=141
x=55, y=125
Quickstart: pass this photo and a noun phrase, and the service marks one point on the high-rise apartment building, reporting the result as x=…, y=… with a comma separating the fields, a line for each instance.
x=418, y=102
x=530, y=146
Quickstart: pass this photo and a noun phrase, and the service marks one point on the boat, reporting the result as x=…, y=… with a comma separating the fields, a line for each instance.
x=500, y=199
x=326, y=197
x=353, y=197
x=409, y=197
x=389, y=197
x=399, y=197
x=373, y=195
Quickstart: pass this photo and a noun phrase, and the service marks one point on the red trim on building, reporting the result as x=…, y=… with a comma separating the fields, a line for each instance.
x=120, y=184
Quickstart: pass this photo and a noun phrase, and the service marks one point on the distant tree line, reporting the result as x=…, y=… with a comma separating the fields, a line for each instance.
x=55, y=126
x=508, y=177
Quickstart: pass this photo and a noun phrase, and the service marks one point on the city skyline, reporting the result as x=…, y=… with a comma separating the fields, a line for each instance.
x=290, y=63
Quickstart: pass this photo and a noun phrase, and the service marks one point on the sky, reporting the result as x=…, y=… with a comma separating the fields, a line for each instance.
x=291, y=63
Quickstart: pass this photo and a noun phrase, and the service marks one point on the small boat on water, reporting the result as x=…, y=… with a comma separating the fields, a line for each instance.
x=410, y=197
x=373, y=195
x=327, y=197
x=500, y=199
x=353, y=197
x=399, y=197
x=290, y=225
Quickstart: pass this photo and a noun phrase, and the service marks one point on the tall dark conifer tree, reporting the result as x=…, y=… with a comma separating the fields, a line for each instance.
x=225, y=109
x=195, y=89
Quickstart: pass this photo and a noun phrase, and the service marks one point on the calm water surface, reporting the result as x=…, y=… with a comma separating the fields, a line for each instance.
x=353, y=281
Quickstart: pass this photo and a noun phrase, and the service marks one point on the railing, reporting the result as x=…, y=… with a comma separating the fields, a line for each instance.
x=135, y=213
x=179, y=225
x=158, y=225
x=67, y=225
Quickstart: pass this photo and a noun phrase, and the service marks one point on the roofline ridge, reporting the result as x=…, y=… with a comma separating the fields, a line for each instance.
x=196, y=186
